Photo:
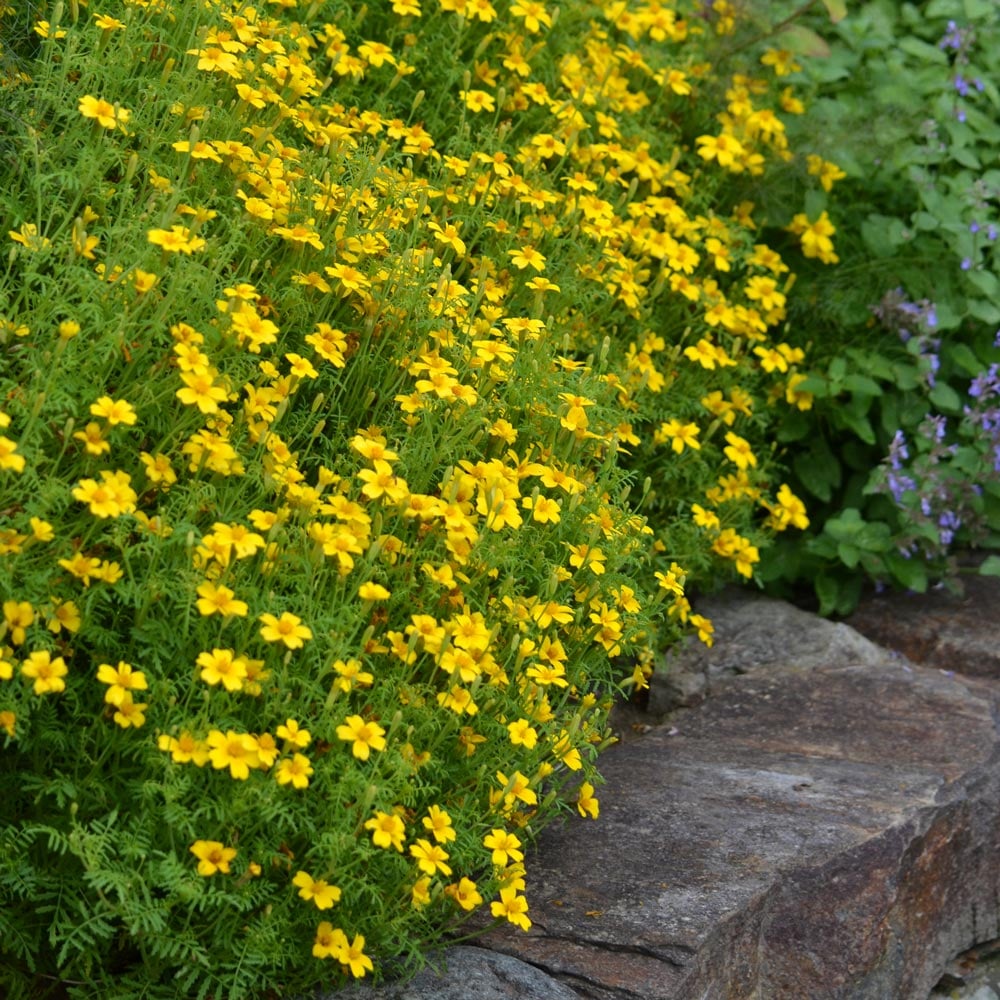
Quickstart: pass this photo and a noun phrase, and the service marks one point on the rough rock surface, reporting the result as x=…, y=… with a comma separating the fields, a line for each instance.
x=939, y=629
x=465, y=973
x=825, y=825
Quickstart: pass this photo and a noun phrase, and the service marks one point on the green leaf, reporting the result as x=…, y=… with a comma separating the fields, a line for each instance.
x=964, y=358
x=863, y=385
x=818, y=470
x=883, y=234
x=985, y=281
x=838, y=368
x=984, y=310
x=922, y=50
x=846, y=527
x=859, y=425
x=827, y=590
x=990, y=566
x=910, y=573
x=803, y=41
x=837, y=9
x=849, y=554
x=945, y=398
x=976, y=9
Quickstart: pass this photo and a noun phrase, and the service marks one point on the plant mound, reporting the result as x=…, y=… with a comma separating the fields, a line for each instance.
x=335, y=344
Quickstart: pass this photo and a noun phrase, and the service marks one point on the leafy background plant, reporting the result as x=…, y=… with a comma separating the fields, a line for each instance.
x=898, y=456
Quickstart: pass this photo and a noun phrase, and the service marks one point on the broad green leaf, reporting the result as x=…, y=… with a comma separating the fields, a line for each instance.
x=837, y=9
x=984, y=310
x=945, y=398
x=863, y=385
x=803, y=41
x=990, y=566
x=922, y=50
x=985, y=281
x=963, y=357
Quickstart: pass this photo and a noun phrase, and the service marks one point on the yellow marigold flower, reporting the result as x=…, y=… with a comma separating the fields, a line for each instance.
x=111, y=497
x=212, y=856
x=353, y=956
x=793, y=396
x=287, y=629
x=330, y=942
x=293, y=735
x=420, y=894
x=317, y=891
x=522, y=733
x=465, y=893
x=513, y=907
x=724, y=148
x=372, y=591
x=46, y=672
x=532, y=13
x=350, y=673
x=789, y=510
x=222, y=666
x=8, y=723
x=92, y=439
x=121, y=680
x=739, y=451
x=294, y=771
x=430, y=857
x=237, y=751
x=9, y=458
x=704, y=628
x=505, y=847
x=103, y=112
x=478, y=100
x=158, y=469
x=704, y=518
x=527, y=256
x=679, y=435
x=108, y=23
x=65, y=615
x=586, y=801
x=128, y=713
x=363, y=736
x=18, y=616
x=438, y=823
x=176, y=239
x=184, y=749
x=114, y=411
x=217, y=599
x=388, y=830
x=28, y=237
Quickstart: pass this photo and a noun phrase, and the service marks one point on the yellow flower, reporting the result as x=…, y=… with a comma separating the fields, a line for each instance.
x=114, y=411
x=47, y=673
x=294, y=771
x=18, y=616
x=237, y=751
x=513, y=907
x=739, y=451
x=330, y=942
x=184, y=749
x=287, y=629
x=388, y=830
x=586, y=802
x=363, y=736
x=9, y=458
x=317, y=891
x=505, y=847
x=121, y=680
x=420, y=894
x=128, y=713
x=438, y=822
x=527, y=256
x=106, y=114
x=217, y=599
x=294, y=735
x=465, y=893
x=176, y=239
x=430, y=857
x=223, y=666
x=372, y=591
x=212, y=856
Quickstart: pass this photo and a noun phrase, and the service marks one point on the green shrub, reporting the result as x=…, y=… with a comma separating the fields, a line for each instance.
x=343, y=353
x=898, y=457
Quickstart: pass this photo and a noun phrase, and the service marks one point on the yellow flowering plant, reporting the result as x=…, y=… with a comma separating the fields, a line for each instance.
x=344, y=354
